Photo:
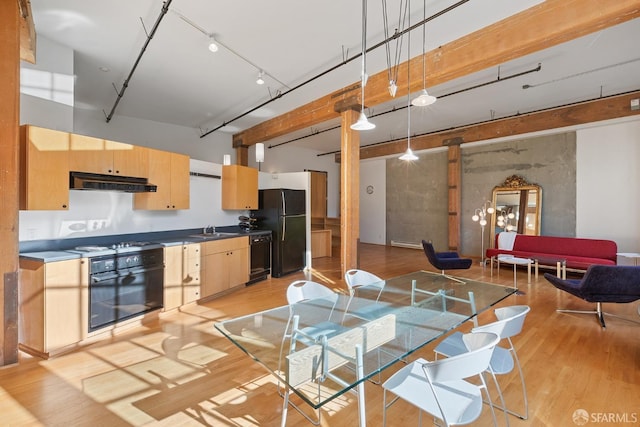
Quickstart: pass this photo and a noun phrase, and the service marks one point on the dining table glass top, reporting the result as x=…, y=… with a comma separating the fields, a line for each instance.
x=321, y=348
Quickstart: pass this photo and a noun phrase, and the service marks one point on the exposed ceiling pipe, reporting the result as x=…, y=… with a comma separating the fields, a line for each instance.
x=335, y=67
x=165, y=8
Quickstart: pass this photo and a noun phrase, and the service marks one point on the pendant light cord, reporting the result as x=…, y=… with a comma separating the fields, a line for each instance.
x=424, y=43
x=392, y=70
x=364, y=47
x=409, y=80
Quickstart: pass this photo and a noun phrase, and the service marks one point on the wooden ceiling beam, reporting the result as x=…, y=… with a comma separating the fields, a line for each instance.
x=27, y=32
x=545, y=25
x=554, y=118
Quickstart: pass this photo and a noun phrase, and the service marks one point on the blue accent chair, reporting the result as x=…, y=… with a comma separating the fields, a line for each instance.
x=602, y=283
x=445, y=260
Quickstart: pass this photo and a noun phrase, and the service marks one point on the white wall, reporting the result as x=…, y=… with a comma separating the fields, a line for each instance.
x=295, y=159
x=46, y=102
x=608, y=184
x=41, y=104
x=373, y=206
x=163, y=136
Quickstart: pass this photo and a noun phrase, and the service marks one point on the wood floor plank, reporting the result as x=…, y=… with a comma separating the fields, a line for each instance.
x=179, y=371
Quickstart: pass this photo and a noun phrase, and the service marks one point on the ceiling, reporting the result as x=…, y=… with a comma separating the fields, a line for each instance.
x=179, y=81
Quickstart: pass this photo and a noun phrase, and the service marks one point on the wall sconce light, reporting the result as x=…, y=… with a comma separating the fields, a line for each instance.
x=226, y=159
x=259, y=154
x=480, y=216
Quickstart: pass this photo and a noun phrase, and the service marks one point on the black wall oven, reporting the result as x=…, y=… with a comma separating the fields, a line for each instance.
x=124, y=285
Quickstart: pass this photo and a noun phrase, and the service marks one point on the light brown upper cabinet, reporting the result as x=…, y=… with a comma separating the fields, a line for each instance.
x=170, y=172
x=95, y=155
x=239, y=187
x=44, y=170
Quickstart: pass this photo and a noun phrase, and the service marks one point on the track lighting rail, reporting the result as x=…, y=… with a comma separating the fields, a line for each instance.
x=125, y=85
x=335, y=67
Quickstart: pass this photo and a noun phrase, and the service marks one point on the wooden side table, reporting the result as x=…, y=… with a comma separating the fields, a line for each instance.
x=561, y=265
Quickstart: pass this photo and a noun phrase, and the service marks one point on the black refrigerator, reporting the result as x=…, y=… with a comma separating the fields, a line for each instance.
x=283, y=212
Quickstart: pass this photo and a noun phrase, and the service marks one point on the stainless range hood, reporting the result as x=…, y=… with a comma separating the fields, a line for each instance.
x=98, y=182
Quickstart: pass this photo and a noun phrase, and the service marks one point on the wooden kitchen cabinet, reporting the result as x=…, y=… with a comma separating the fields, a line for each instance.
x=170, y=172
x=53, y=305
x=182, y=275
x=239, y=187
x=226, y=264
x=44, y=169
x=95, y=155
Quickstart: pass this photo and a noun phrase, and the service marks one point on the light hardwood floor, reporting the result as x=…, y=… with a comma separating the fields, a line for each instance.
x=178, y=371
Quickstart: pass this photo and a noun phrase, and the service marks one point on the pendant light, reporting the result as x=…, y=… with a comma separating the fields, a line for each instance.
x=408, y=155
x=259, y=154
x=424, y=99
x=363, y=123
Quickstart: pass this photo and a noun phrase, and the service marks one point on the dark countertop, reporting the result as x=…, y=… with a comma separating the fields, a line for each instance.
x=63, y=249
x=49, y=256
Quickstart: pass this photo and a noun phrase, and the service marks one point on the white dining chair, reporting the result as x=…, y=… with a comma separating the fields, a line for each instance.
x=510, y=322
x=356, y=278
x=440, y=387
x=306, y=291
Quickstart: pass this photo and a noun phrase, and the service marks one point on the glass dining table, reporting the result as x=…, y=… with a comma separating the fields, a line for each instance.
x=320, y=349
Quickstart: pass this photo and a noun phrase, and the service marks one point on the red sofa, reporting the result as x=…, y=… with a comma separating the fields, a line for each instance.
x=578, y=253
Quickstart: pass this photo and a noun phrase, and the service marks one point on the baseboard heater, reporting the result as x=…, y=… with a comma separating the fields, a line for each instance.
x=410, y=245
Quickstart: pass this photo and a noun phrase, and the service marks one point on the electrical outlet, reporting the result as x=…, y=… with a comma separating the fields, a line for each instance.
x=635, y=104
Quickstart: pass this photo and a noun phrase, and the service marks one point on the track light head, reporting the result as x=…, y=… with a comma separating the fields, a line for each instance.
x=260, y=80
x=213, y=46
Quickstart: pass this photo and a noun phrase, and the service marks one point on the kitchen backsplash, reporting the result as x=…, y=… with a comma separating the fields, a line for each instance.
x=98, y=213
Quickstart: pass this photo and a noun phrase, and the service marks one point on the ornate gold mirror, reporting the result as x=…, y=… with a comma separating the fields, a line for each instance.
x=517, y=206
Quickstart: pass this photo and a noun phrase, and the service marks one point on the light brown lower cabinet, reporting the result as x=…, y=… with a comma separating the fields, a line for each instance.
x=226, y=265
x=53, y=305
x=54, y=296
x=182, y=275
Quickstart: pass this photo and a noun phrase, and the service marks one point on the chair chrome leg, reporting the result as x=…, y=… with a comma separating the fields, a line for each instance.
x=599, y=314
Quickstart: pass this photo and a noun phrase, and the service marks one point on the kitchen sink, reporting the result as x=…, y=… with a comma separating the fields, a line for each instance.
x=212, y=235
